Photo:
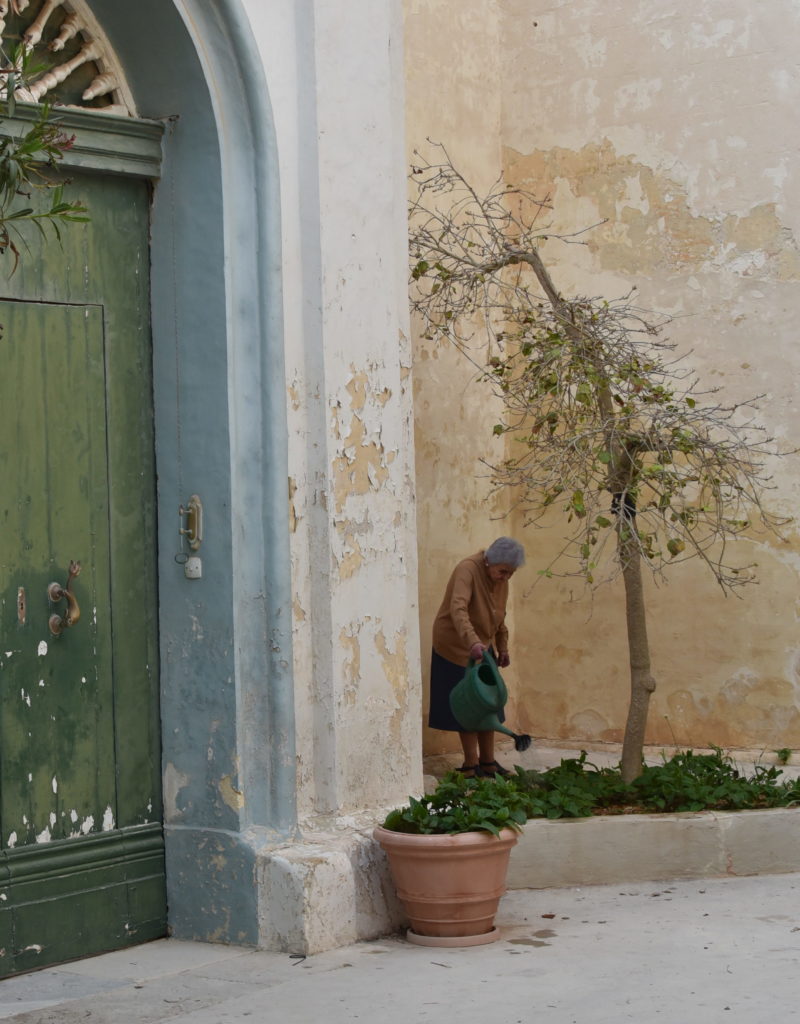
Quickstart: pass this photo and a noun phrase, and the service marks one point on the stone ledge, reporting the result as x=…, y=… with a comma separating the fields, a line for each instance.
x=319, y=895
x=302, y=895
x=652, y=847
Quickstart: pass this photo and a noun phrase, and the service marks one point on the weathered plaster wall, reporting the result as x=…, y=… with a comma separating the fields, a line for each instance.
x=290, y=670
x=336, y=89
x=676, y=124
x=453, y=75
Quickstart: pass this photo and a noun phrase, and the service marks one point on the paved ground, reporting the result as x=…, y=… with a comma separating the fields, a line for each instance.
x=711, y=951
x=721, y=951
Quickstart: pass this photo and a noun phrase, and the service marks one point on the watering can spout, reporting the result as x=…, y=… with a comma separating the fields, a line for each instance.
x=521, y=740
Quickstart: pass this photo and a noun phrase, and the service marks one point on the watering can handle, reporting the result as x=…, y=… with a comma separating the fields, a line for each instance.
x=487, y=656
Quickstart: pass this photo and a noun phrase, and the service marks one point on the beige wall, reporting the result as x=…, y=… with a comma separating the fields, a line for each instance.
x=453, y=96
x=676, y=124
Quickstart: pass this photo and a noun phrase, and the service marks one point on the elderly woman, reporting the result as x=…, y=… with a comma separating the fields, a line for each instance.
x=471, y=620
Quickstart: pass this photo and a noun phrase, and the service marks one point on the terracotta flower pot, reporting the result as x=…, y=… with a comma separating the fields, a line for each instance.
x=449, y=885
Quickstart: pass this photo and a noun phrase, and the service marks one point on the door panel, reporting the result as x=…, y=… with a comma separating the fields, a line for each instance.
x=56, y=721
x=81, y=846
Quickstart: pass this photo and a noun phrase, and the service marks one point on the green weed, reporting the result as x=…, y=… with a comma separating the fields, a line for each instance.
x=576, y=788
x=684, y=782
x=461, y=804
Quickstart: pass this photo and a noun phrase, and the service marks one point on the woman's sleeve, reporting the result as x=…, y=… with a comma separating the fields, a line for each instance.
x=501, y=638
x=459, y=606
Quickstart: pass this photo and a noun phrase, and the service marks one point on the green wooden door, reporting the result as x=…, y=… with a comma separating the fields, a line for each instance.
x=81, y=846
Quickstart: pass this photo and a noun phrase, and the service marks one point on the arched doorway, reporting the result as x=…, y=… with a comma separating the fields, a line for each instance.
x=219, y=431
x=81, y=837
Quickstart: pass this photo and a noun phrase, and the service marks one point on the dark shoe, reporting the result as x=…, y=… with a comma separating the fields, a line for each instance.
x=491, y=769
x=469, y=771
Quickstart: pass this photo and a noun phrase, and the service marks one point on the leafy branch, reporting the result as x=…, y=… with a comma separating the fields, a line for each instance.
x=604, y=421
x=27, y=160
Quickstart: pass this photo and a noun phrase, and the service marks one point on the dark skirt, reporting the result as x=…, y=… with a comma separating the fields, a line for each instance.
x=445, y=676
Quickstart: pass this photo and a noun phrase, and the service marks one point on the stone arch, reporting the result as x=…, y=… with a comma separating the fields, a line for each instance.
x=227, y=698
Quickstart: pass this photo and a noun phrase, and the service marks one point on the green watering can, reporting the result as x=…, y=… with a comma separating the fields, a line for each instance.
x=477, y=700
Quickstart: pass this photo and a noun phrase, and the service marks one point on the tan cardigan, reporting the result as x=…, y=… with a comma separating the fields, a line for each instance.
x=473, y=611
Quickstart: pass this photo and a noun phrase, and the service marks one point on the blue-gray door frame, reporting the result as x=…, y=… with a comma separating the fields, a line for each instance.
x=221, y=432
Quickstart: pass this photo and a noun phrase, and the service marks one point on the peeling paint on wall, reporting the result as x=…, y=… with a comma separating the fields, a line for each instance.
x=174, y=782
x=360, y=469
x=232, y=796
x=352, y=539
x=349, y=531
x=362, y=465
x=353, y=559
x=650, y=227
x=395, y=663
x=293, y=519
x=680, y=135
x=349, y=641
x=396, y=670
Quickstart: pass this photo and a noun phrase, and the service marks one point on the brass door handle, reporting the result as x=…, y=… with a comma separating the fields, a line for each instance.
x=55, y=592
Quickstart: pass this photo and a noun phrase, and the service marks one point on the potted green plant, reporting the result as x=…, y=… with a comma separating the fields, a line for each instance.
x=448, y=856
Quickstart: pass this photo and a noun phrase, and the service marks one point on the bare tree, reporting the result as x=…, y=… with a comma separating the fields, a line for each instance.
x=604, y=421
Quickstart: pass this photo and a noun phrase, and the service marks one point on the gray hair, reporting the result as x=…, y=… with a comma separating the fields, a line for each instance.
x=505, y=551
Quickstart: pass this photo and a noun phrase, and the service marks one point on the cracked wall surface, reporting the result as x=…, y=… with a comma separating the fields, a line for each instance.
x=351, y=488
x=670, y=128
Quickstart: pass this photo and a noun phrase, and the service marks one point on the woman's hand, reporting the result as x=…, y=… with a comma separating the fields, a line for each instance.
x=503, y=660
x=476, y=652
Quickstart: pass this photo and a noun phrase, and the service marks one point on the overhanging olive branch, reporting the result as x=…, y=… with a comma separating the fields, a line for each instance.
x=603, y=419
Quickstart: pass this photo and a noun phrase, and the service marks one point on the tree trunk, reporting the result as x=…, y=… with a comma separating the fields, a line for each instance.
x=642, y=683
x=621, y=476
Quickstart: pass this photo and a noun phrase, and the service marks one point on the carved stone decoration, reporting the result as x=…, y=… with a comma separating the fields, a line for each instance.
x=70, y=26
x=80, y=68
x=33, y=33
